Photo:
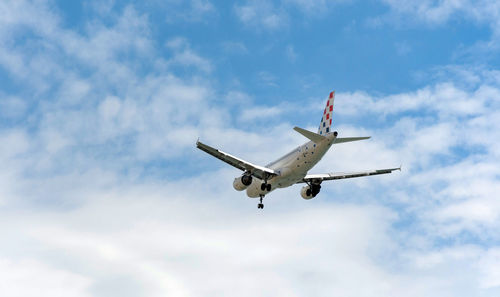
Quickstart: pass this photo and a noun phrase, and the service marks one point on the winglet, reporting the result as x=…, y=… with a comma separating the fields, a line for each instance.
x=311, y=135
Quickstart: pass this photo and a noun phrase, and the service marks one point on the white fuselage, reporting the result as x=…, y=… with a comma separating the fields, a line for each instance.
x=292, y=167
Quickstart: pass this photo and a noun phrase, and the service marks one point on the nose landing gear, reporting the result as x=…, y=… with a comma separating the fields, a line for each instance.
x=261, y=205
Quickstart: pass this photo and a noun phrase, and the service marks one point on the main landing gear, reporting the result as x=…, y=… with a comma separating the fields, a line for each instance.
x=261, y=205
x=265, y=187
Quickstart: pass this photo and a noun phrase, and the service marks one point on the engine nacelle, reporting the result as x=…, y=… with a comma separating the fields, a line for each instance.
x=309, y=192
x=242, y=182
x=306, y=193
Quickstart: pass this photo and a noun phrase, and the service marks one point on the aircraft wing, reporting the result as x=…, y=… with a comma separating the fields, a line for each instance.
x=318, y=178
x=256, y=170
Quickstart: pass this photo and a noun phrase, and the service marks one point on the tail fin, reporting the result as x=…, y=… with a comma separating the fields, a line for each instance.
x=326, y=121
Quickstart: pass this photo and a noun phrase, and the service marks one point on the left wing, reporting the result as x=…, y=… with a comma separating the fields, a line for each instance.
x=318, y=178
x=255, y=170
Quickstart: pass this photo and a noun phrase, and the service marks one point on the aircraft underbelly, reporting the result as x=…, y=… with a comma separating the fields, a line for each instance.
x=291, y=170
x=285, y=180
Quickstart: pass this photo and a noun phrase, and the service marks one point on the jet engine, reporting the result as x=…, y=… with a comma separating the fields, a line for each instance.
x=242, y=182
x=309, y=193
x=306, y=193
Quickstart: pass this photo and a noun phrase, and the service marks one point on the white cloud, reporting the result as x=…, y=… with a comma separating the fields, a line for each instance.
x=290, y=53
x=402, y=48
x=12, y=107
x=175, y=243
x=15, y=142
x=189, y=58
x=104, y=7
x=267, y=78
x=235, y=47
x=314, y=7
x=177, y=43
x=444, y=98
x=255, y=113
x=238, y=98
x=41, y=277
x=201, y=7
x=73, y=90
x=483, y=11
x=436, y=13
x=489, y=268
x=184, y=56
x=192, y=11
x=274, y=15
x=110, y=108
x=261, y=14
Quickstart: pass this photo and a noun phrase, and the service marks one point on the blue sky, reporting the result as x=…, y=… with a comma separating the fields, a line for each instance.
x=103, y=193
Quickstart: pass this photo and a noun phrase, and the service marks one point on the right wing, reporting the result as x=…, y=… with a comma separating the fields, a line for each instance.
x=255, y=170
x=318, y=178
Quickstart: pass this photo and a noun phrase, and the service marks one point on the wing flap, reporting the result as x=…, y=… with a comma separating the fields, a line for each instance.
x=256, y=170
x=342, y=175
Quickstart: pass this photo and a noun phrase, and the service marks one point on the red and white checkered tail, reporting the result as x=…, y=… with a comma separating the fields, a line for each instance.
x=326, y=121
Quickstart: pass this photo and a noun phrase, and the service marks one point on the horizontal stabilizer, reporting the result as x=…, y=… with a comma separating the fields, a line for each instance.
x=349, y=139
x=311, y=135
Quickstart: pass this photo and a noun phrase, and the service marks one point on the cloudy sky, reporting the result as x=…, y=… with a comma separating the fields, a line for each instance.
x=103, y=193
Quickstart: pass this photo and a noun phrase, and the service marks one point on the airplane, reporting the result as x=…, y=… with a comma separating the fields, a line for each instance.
x=293, y=167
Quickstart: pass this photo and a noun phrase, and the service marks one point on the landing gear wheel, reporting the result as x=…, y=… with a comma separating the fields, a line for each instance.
x=265, y=187
x=261, y=205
